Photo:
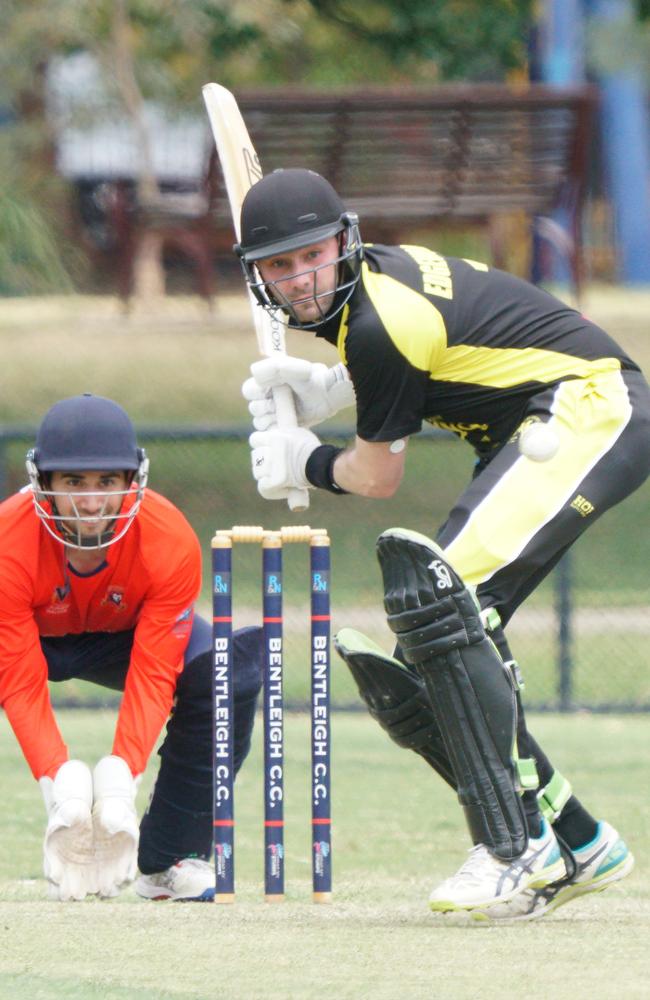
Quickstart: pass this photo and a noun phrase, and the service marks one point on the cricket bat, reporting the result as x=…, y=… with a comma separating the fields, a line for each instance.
x=241, y=169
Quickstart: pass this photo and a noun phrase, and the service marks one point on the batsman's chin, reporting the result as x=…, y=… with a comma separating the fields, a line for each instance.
x=307, y=310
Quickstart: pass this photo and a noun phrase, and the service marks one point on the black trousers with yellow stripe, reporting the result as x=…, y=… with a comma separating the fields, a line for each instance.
x=517, y=517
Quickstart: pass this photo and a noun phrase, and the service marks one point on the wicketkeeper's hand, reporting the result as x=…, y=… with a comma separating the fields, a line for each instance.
x=115, y=825
x=279, y=458
x=68, y=855
x=319, y=391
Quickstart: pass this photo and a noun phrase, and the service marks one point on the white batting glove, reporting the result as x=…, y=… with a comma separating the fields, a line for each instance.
x=279, y=458
x=319, y=391
x=68, y=856
x=115, y=825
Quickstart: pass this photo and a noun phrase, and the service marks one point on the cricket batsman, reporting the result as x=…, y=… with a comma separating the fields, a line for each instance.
x=479, y=352
x=98, y=580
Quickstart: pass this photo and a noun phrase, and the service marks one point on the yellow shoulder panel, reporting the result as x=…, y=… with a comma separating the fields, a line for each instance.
x=414, y=325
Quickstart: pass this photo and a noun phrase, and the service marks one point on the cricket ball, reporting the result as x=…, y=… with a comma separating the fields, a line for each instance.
x=538, y=442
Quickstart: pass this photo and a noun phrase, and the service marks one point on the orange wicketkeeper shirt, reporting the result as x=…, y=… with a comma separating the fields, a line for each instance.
x=149, y=582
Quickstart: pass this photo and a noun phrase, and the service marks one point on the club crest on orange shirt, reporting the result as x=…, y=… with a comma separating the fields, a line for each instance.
x=115, y=597
x=59, y=605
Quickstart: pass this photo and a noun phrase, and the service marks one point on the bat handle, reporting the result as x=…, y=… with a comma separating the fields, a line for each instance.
x=286, y=413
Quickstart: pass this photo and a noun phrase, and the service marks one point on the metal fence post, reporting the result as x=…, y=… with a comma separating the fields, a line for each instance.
x=3, y=467
x=564, y=614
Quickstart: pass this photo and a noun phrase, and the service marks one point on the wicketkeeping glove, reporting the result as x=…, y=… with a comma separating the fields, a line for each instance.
x=115, y=825
x=68, y=856
x=319, y=391
x=279, y=458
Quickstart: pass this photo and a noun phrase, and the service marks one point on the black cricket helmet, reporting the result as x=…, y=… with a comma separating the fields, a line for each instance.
x=82, y=434
x=285, y=211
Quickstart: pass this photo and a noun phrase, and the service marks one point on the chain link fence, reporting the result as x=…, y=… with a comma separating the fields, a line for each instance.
x=582, y=639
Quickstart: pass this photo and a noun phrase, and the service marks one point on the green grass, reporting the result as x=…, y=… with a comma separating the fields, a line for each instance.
x=397, y=831
x=180, y=363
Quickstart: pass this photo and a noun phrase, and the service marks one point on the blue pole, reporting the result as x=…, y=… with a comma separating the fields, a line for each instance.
x=557, y=58
x=561, y=59
x=626, y=140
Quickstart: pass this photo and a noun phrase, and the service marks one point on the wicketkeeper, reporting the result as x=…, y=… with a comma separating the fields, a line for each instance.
x=423, y=337
x=98, y=580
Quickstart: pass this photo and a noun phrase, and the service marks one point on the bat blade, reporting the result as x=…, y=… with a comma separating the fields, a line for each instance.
x=241, y=169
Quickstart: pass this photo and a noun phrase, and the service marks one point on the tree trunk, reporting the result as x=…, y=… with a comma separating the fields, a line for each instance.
x=149, y=274
x=148, y=271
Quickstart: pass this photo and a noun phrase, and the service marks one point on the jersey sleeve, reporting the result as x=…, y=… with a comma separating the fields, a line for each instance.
x=24, y=692
x=161, y=636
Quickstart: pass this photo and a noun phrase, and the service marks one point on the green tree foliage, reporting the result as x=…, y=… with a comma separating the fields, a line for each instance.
x=467, y=39
x=30, y=256
x=387, y=41
x=135, y=43
x=179, y=44
x=621, y=43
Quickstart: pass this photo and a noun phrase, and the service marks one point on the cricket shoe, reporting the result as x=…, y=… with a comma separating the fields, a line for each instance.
x=604, y=860
x=485, y=880
x=189, y=880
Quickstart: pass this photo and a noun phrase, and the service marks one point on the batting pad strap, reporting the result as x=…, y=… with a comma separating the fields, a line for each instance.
x=554, y=796
x=515, y=673
x=527, y=773
x=491, y=619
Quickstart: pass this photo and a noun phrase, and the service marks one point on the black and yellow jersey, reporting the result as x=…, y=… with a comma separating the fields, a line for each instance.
x=458, y=344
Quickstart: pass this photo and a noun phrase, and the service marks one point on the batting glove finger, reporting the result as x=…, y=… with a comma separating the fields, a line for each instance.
x=263, y=413
x=251, y=389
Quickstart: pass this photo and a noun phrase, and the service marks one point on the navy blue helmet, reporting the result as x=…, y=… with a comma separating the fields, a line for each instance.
x=79, y=435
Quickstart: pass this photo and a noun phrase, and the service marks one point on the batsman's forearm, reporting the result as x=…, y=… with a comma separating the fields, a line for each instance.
x=369, y=469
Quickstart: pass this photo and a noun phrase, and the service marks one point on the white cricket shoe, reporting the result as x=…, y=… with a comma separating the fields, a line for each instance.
x=189, y=880
x=604, y=860
x=485, y=880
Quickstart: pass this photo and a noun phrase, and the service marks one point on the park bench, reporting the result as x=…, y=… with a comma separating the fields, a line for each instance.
x=409, y=160
x=467, y=155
